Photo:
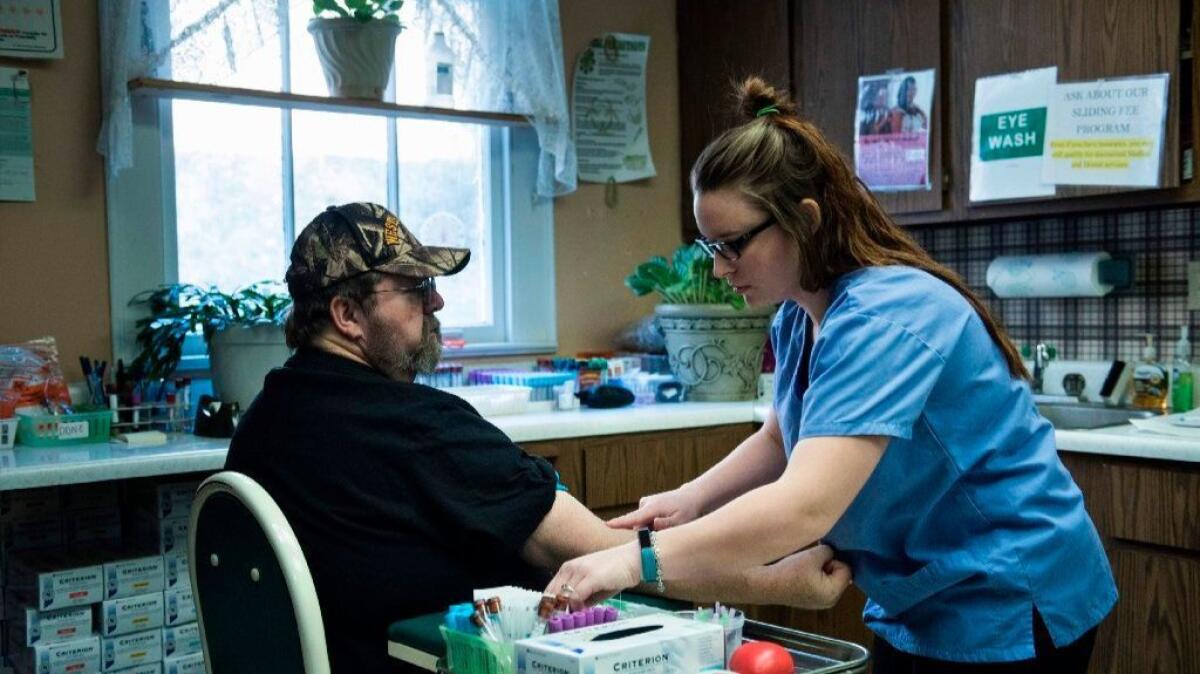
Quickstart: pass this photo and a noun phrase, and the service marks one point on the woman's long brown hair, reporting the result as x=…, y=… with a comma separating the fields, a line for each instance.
x=778, y=160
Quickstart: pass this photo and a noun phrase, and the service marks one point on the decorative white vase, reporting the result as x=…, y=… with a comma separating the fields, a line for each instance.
x=356, y=56
x=715, y=350
x=241, y=357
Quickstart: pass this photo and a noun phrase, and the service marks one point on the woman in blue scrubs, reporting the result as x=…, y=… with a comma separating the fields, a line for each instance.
x=903, y=431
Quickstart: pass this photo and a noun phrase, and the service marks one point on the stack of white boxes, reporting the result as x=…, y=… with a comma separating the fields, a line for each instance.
x=77, y=603
x=160, y=519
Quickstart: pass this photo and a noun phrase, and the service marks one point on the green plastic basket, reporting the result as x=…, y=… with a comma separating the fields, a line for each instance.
x=57, y=430
x=471, y=654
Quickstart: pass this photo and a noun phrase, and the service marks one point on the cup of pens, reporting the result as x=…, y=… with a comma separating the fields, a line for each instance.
x=732, y=620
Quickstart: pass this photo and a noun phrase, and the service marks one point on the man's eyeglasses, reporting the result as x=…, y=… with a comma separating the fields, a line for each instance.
x=427, y=288
x=731, y=250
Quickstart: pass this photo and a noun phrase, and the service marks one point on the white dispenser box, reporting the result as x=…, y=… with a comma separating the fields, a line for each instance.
x=184, y=664
x=60, y=657
x=42, y=627
x=182, y=640
x=131, y=577
x=181, y=608
x=650, y=644
x=148, y=668
x=131, y=614
x=58, y=579
x=131, y=650
x=177, y=570
x=165, y=500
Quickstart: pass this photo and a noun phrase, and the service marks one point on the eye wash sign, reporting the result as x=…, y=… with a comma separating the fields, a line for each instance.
x=1010, y=135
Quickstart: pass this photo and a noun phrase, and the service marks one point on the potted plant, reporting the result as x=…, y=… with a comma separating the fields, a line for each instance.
x=242, y=330
x=714, y=342
x=356, y=44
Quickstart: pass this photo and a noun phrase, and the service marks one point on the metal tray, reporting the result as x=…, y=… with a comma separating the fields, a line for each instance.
x=812, y=653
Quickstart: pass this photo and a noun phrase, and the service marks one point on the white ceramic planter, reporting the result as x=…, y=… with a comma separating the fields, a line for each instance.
x=241, y=357
x=356, y=56
x=714, y=349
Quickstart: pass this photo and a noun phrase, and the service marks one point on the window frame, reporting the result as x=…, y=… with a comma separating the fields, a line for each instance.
x=143, y=252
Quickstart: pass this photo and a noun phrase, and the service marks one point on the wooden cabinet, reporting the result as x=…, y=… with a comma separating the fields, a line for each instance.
x=830, y=43
x=1148, y=513
x=838, y=40
x=721, y=42
x=610, y=473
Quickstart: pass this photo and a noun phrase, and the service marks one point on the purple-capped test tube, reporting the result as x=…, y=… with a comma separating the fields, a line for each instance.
x=554, y=625
x=596, y=615
x=580, y=619
x=610, y=614
x=568, y=621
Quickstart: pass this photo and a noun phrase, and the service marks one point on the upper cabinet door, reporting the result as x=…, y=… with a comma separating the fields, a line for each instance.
x=1086, y=39
x=837, y=41
x=720, y=43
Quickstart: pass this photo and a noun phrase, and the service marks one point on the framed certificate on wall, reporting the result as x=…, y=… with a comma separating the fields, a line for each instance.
x=31, y=29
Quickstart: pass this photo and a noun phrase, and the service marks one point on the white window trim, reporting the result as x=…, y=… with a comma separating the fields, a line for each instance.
x=142, y=238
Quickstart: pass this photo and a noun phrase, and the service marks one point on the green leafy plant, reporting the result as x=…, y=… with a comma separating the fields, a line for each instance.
x=177, y=310
x=685, y=279
x=360, y=10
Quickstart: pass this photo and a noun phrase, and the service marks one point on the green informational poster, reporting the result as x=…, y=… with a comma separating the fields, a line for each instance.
x=16, y=137
x=609, y=96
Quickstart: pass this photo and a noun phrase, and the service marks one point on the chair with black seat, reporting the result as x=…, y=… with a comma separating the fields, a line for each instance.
x=255, y=599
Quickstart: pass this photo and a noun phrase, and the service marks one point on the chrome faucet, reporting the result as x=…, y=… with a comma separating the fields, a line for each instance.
x=1042, y=355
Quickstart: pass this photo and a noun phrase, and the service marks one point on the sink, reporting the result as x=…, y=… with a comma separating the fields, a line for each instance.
x=1083, y=416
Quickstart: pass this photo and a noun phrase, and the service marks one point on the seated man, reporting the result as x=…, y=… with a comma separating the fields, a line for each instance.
x=403, y=498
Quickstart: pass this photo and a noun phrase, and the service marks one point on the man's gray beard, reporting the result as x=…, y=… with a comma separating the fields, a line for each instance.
x=389, y=357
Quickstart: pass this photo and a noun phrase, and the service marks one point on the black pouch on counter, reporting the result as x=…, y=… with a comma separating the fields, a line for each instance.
x=605, y=396
x=215, y=419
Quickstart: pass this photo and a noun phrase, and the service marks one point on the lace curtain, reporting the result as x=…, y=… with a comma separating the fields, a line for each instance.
x=509, y=56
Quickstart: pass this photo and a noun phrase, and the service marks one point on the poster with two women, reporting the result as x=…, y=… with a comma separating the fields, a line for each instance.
x=891, y=130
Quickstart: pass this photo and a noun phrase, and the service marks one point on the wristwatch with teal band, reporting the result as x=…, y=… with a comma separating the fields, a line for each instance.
x=651, y=569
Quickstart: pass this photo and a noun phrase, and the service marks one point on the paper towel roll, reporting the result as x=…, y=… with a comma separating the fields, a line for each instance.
x=1062, y=275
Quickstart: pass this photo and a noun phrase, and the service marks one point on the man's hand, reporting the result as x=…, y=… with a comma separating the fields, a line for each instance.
x=660, y=511
x=809, y=579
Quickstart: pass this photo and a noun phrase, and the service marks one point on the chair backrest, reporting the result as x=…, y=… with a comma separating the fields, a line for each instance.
x=254, y=595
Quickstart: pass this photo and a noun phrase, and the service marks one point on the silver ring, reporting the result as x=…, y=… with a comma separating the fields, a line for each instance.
x=567, y=589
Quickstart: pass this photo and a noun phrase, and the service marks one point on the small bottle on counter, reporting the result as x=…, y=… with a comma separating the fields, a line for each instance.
x=1182, y=384
x=1150, y=382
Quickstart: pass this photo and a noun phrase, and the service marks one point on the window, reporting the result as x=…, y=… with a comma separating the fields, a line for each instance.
x=220, y=189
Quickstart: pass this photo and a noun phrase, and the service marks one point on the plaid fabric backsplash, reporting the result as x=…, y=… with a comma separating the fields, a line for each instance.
x=1160, y=243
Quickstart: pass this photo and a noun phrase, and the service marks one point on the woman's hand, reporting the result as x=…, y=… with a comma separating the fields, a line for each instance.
x=809, y=579
x=661, y=511
x=593, y=578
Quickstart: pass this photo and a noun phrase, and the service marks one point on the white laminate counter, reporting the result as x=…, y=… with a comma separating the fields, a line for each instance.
x=27, y=467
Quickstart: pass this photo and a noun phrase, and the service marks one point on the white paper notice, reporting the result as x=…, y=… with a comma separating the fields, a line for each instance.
x=31, y=29
x=609, y=96
x=1107, y=132
x=16, y=137
x=1010, y=135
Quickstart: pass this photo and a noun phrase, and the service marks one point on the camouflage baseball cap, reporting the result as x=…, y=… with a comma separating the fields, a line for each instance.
x=352, y=239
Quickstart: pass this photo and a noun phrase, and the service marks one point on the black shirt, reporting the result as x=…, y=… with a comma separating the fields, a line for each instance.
x=402, y=497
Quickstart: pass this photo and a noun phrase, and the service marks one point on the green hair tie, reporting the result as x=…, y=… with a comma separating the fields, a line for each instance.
x=769, y=110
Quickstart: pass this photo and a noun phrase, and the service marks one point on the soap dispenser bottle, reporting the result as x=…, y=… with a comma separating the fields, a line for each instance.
x=440, y=76
x=1150, y=385
x=1182, y=383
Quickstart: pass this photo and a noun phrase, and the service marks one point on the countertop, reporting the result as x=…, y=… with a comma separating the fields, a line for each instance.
x=27, y=467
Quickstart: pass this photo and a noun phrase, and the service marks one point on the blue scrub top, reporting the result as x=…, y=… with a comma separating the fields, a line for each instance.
x=969, y=520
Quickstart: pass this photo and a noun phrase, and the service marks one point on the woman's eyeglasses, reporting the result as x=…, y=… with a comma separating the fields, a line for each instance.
x=427, y=288
x=731, y=250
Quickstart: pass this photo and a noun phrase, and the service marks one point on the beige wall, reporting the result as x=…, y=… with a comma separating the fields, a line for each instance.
x=53, y=252
x=597, y=247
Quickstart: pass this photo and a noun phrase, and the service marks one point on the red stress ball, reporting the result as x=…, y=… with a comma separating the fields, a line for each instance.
x=762, y=657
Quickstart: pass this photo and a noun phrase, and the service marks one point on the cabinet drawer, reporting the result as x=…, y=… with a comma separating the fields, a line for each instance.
x=1140, y=500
